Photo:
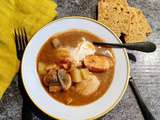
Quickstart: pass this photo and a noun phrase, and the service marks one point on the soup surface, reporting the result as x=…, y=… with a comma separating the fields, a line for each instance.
x=73, y=70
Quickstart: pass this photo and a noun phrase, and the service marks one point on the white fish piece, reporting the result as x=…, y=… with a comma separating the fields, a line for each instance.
x=89, y=86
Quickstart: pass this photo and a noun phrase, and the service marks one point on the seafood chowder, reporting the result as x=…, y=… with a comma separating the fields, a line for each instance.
x=73, y=70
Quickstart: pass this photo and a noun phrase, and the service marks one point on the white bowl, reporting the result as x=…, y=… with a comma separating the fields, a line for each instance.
x=48, y=104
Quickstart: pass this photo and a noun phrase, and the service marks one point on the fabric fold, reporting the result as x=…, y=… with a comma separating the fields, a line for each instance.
x=32, y=15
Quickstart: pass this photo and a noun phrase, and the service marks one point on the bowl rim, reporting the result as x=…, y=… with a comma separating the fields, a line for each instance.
x=125, y=53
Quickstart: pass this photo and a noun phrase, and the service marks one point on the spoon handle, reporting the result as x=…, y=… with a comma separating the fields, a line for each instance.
x=139, y=46
x=145, y=111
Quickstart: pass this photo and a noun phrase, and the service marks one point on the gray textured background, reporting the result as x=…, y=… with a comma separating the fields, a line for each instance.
x=146, y=71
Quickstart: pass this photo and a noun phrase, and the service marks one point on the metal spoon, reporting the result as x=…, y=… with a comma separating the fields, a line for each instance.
x=139, y=46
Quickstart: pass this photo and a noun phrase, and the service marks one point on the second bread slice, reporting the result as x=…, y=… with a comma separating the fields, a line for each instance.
x=139, y=27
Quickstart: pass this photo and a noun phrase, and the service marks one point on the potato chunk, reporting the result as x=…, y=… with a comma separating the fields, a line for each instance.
x=42, y=68
x=85, y=73
x=76, y=75
x=89, y=86
x=97, y=63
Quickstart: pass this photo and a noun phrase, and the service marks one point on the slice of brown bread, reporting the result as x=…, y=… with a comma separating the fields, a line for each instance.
x=115, y=14
x=120, y=18
x=139, y=27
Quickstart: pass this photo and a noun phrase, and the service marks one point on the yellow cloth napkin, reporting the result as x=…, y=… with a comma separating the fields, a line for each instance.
x=31, y=14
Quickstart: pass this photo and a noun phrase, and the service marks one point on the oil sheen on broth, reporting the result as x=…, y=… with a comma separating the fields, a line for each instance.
x=70, y=39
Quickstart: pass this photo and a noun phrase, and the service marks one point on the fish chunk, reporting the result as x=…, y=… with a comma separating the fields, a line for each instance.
x=89, y=86
x=51, y=78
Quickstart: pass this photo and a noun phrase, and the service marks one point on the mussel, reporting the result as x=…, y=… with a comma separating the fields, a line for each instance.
x=64, y=79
